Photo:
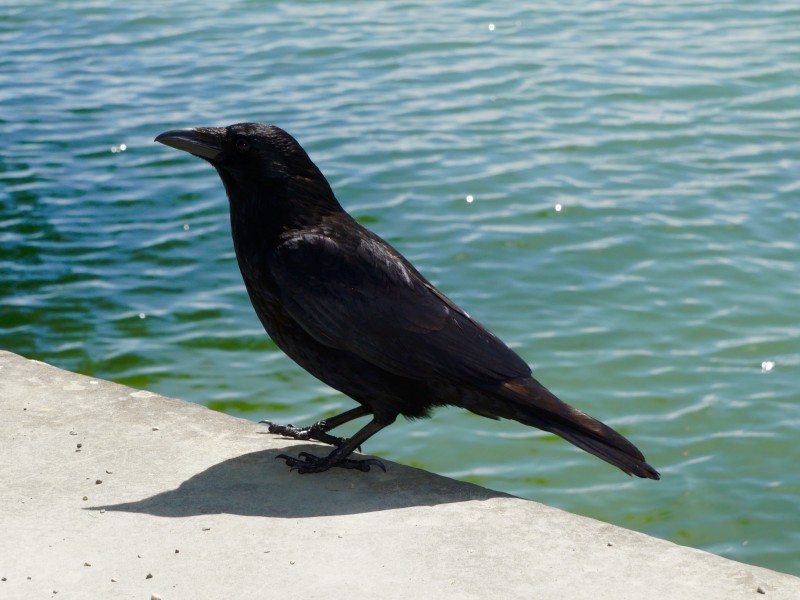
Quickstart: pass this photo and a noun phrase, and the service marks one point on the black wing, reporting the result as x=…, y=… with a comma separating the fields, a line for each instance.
x=352, y=291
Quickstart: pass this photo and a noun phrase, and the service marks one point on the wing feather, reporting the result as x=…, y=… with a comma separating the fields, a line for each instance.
x=356, y=293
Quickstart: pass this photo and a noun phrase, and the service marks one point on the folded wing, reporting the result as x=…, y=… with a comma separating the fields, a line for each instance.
x=356, y=293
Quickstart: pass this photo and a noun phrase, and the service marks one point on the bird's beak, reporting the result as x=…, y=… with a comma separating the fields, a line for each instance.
x=205, y=142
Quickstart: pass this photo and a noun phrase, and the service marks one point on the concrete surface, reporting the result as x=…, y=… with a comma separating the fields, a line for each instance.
x=110, y=492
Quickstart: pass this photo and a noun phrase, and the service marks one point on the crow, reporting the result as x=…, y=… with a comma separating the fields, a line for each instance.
x=352, y=311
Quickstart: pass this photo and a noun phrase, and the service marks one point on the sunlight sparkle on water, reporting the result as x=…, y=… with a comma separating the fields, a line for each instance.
x=470, y=198
x=767, y=366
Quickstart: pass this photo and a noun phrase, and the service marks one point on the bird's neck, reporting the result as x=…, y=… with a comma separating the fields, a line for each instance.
x=262, y=214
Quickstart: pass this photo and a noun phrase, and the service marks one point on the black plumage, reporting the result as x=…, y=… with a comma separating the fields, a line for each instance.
x=353, y=312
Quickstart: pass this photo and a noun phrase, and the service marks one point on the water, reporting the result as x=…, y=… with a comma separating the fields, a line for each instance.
x=633, y=230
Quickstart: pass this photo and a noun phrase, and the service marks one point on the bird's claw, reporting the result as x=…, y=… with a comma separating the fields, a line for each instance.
x=308, y=463
x=316, y=432
x=276, y=428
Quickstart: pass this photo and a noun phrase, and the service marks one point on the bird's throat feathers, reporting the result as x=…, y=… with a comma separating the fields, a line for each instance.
x=273, y=206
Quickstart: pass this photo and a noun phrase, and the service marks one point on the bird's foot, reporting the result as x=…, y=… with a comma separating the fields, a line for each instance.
x=308, y=463
x=317, y=431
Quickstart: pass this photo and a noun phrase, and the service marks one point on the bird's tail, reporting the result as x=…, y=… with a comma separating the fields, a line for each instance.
x=530, y=403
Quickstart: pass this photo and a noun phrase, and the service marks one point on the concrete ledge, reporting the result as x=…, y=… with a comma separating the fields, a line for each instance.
x=167, y=497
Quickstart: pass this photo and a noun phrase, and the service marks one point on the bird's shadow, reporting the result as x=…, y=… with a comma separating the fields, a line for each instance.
x=256, y=484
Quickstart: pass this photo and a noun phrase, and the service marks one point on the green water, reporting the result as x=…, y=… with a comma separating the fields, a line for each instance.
x=633, y=231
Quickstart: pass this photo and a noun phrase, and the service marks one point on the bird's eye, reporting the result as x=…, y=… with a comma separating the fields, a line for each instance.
x=242, y=145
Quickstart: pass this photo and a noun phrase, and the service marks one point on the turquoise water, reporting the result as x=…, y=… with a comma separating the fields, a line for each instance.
x=633, y=230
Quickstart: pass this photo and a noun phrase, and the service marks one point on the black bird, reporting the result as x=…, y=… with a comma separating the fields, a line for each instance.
x=353, y=312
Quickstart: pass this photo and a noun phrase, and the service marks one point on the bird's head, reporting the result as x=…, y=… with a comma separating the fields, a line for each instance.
x=256, y=150
x=259, y=163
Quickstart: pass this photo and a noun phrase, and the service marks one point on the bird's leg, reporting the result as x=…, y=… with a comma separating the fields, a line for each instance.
x=308, y=463
x=319, y=430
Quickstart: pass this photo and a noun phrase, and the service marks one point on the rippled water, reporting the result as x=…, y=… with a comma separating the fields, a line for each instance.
x=633, y=230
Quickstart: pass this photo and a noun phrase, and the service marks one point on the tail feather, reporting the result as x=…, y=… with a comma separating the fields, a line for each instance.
x=530, y=403
x=620, y=458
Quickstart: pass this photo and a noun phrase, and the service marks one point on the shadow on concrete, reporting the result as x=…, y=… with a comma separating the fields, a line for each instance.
x=256, y=484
